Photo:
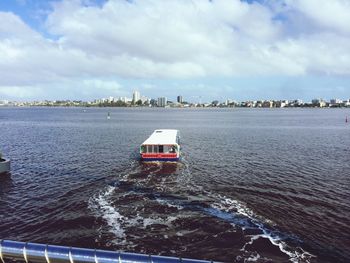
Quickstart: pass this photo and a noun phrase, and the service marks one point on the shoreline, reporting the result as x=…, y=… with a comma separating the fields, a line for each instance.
x=145, y=107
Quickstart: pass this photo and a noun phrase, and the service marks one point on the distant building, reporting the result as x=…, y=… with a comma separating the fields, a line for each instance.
x=280, y=104
x=335, y=101
x=296, y=103
x=123, y=99
x=144, y=99
x=318, y=103
x=162, y=102
x=153, y=102
x=215, y=103
x=267, y=104
x=4, y=102
x=179, y=99
x=248, y=104
x=136, y=96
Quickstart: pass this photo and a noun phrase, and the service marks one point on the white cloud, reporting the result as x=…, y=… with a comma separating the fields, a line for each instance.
x=20, y=92
x=328, y=14
x=169, y=39
x=66, y=89
x=174, y=39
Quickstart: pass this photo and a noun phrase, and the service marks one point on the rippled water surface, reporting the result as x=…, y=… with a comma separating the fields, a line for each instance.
x=253, y=184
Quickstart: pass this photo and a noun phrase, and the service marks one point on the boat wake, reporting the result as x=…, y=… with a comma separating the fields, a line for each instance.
x=126, y=222
x=259, y=230
x=146, y=205
x=120, y=206
x=102, y=206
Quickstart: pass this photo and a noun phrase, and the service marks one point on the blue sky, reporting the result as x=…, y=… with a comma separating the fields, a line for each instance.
x=203, y=50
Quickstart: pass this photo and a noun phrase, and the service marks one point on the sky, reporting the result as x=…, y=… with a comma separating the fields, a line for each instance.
x=203, y=50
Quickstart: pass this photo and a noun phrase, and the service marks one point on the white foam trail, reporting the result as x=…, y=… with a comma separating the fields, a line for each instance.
x=104, y=207
x=294, y=256
x=167, y=203
x=231, y=205
x=158, y=220
x=252, y=258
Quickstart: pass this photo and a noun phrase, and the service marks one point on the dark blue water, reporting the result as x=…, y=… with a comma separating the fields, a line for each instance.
x=253, y=184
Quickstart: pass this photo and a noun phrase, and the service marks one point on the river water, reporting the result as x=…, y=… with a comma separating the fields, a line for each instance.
x=253, y=185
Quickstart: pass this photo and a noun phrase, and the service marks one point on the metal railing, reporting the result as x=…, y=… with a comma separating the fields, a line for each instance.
x=41, y=253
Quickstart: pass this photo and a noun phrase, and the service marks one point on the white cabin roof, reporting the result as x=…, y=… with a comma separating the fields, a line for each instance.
x=162, y=137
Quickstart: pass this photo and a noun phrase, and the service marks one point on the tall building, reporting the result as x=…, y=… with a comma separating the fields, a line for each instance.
x=318, y=103
x=162, y=102
x=136, y=96
x=228, y=102
x=336, y=101
x=179, y=99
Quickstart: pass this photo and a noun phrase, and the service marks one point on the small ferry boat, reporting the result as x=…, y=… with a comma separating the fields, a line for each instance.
x=162, y=145
x=4, y=165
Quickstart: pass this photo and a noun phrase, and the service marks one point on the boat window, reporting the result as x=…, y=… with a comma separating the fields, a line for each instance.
x=166, y=149
x=149, y=148
x=161, y=148
x=172, y=149
x=155, y=148
x=143, y=149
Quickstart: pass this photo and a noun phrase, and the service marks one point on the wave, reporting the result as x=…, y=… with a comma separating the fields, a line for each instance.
x=238, y=214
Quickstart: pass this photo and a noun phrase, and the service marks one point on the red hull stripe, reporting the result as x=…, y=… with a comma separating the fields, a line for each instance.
x=160, y=159
x=160, y=155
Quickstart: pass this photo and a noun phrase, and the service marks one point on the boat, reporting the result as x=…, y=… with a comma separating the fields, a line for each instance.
x=162, y=145
x=4, y=165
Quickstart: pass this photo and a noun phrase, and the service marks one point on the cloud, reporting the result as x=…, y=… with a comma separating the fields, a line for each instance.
x=20, y=92
x=181, y=39
x=328, y=15
x=166, y=39
x=67, y=89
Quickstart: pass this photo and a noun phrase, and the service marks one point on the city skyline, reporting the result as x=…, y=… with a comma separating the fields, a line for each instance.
x=138, y=99
x=81, y=50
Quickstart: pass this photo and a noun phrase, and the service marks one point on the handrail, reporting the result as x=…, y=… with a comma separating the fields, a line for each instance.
x=41, y=253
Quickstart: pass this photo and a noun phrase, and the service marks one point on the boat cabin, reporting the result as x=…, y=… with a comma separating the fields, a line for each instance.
x=162, y=145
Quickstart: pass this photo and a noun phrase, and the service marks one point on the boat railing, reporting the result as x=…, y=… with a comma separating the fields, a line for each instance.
x=42, y=253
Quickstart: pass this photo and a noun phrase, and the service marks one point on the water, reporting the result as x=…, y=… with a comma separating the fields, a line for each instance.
x=253, y=185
